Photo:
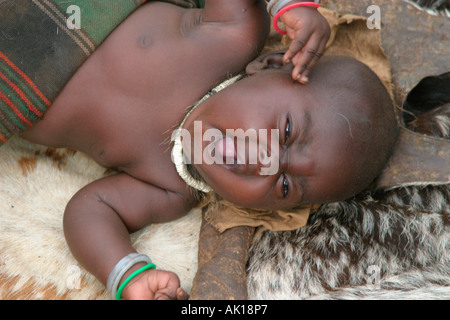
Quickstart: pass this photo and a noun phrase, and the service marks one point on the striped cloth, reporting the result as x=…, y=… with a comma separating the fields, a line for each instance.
x=41, y=47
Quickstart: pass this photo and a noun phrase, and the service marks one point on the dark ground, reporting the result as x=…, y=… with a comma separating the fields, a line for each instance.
x=417, y=43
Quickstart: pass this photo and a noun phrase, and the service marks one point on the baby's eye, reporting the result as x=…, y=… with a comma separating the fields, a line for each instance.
x=287, y=133
x=285, y=187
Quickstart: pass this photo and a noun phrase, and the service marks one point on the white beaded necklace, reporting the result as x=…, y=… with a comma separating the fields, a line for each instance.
x=177, y=149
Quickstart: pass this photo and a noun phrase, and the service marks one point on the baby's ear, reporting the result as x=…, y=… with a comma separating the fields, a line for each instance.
x=273, y=59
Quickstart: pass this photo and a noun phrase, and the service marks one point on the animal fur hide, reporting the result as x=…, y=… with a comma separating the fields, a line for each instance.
x=389, y=245
x=35, y=185
x=433, y=7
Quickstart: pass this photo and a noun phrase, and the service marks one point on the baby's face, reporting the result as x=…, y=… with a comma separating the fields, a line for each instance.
x=271, y=143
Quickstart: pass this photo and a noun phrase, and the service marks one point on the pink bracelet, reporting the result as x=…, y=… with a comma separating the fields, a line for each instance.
x=287, y=8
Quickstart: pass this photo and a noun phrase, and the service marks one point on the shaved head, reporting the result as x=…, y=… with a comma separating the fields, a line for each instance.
x=358, y=98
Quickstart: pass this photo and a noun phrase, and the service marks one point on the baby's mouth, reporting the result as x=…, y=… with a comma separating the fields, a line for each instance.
x=241, y=156
x=226, y=150
x=235, y=159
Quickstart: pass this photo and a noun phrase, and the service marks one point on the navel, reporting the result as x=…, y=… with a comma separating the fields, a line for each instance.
x=145, y=41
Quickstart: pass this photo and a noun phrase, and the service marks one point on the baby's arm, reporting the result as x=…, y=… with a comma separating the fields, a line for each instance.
x=99, y=219
x=232, y=10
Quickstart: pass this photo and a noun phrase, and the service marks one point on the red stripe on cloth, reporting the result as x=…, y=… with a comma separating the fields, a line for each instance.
x=25, y=77
x=22, y=96
x=13, y=107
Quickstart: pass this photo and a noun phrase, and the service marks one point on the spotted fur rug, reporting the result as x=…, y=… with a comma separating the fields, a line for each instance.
x=392, y=245
x=35, y=185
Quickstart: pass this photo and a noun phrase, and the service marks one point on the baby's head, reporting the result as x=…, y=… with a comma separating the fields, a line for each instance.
x=284, y=144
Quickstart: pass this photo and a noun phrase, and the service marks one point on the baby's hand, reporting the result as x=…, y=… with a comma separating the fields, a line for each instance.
x=155, y=285
x=309, y=32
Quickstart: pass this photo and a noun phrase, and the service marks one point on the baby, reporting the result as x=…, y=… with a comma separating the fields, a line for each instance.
x=329, y=138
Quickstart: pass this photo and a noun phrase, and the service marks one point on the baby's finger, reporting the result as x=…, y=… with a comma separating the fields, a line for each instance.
x=162, y=296
x=312, y=63
x=166, y=294
x=294, y=48
x=297, y=72
x=306, y=61
x=182, y=294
